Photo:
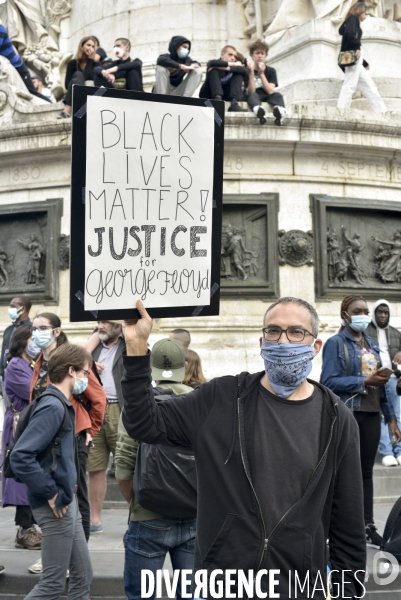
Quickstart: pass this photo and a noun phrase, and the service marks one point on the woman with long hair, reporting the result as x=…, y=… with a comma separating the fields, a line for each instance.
x=352, y=370
x=89, y=406
x=357, y=76
x=18, y=382
x=80, y=68
x=193, y=369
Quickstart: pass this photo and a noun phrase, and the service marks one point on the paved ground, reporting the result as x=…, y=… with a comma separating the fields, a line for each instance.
x=107, y=553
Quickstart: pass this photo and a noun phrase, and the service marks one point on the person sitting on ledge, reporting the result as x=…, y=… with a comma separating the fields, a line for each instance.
x=45, y=91
x=124, y=73
x=262, y=84
x=176, y=73
x=81, y=69
x=8, y=51
x=224, y=79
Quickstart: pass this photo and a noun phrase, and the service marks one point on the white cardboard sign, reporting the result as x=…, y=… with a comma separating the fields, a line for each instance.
x=148, y=203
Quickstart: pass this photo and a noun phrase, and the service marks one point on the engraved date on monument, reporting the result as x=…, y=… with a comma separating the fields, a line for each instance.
x=233, y=163
x=23, y=174
x=362, y=170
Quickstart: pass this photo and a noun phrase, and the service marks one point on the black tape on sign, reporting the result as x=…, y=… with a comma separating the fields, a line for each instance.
x=217, y=117
x=83, y=195
x=199, y=308
x=81, y=298
x=82, y=111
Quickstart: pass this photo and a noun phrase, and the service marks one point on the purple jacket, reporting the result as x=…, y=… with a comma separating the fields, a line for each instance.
x=18, y=378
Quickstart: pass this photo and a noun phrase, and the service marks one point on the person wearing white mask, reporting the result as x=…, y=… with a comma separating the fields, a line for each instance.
x=52, y=479
x=352, y=369
x=89, y=404
x=176, y=73
x=123, y=73
x=18, y=311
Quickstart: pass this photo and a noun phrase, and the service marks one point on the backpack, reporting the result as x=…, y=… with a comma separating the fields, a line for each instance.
x=392, y=532
x=165, y=480
x=23, y=422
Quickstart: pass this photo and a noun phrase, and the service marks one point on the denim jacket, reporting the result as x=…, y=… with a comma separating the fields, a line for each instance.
x=335, y=376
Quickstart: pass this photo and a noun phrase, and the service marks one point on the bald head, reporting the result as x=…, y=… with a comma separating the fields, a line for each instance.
x=182, y=336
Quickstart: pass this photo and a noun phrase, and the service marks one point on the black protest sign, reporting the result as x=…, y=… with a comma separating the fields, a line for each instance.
x=146, y=199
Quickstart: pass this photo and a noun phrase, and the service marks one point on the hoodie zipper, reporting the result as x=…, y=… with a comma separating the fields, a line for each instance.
x=267, y=539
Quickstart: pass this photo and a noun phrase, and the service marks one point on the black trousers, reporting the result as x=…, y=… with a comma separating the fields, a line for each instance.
x=77, y=78
x=24, y=517
x=82, y=493
x=26, y=78
x=133, y=77
x=232, y=89
x=256, y=99
x=369, y=438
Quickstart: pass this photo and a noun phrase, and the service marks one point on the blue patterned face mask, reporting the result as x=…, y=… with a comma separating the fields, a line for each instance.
x=287, y=365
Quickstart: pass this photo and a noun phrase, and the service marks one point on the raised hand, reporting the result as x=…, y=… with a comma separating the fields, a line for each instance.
x=137, y=332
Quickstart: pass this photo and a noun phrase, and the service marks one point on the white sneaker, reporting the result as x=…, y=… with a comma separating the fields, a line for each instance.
x=390, y=461
x=280, y=114
x=398, y=459
x=36, y=567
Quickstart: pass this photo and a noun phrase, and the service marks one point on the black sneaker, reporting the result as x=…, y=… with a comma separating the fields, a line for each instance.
x=64, y=115
x=236, y=108
x=373, y=539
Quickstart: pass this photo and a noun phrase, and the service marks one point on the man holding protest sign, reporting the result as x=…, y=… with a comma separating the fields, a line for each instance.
x=246, y=432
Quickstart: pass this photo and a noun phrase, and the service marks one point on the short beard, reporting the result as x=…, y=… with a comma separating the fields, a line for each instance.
x=109, y=335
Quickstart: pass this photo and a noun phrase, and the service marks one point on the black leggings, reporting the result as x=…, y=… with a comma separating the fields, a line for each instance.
x=24, y=517
x=369, y=438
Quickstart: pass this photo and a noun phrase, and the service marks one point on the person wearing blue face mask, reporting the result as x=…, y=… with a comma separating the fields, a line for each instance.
x=19, y=377
x=89, y=404
x=176, y=73
x=18, y=311
x=51, y=478
x=352, y=369
x=276, y=457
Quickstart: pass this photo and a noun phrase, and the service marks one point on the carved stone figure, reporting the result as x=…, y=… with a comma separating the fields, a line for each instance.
x=297, y=12
x=3, y=267
x=35, y=267
x=34, y=28
x=390, y=266
x=64, y=254
x=352, y=250
x=380, y=258
x=236, y=260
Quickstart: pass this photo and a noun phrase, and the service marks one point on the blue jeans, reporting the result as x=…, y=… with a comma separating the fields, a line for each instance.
x=386, y=447
x=146, y=545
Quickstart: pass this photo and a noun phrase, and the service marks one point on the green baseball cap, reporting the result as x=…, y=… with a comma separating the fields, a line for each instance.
x=168, y=361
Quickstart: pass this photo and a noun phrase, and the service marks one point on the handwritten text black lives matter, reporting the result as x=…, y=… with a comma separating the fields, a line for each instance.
x=149, y=187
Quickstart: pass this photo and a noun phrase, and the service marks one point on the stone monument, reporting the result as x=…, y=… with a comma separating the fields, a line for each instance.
x=311, y=209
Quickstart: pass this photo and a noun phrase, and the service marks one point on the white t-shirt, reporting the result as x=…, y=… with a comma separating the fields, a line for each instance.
x=384, y=351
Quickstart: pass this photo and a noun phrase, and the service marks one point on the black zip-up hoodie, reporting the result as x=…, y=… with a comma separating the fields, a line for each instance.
x=217, y=420
x=172, y=60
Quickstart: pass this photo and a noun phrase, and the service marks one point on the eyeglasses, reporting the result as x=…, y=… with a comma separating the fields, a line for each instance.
x=272, y=333
x=86, y=373
x=41, y=328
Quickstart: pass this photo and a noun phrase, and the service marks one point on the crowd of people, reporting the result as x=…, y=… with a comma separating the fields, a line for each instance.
x=122, y=400
x=231, y=77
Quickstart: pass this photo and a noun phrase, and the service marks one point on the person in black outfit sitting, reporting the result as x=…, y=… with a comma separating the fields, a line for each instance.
x=80, y=68
x=224, y=79
x=123, y=73
x=262, y=84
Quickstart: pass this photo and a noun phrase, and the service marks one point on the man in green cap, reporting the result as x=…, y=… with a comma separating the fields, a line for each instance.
x=150, y=535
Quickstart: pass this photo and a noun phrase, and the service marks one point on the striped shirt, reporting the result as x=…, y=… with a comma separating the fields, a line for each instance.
x=7, y=49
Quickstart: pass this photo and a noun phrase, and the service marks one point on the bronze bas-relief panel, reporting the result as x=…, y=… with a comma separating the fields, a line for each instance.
x=29, y=250
x=358, y=247
x=249, y=261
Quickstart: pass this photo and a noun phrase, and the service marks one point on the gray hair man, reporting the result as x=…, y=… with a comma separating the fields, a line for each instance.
x=277, y=458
